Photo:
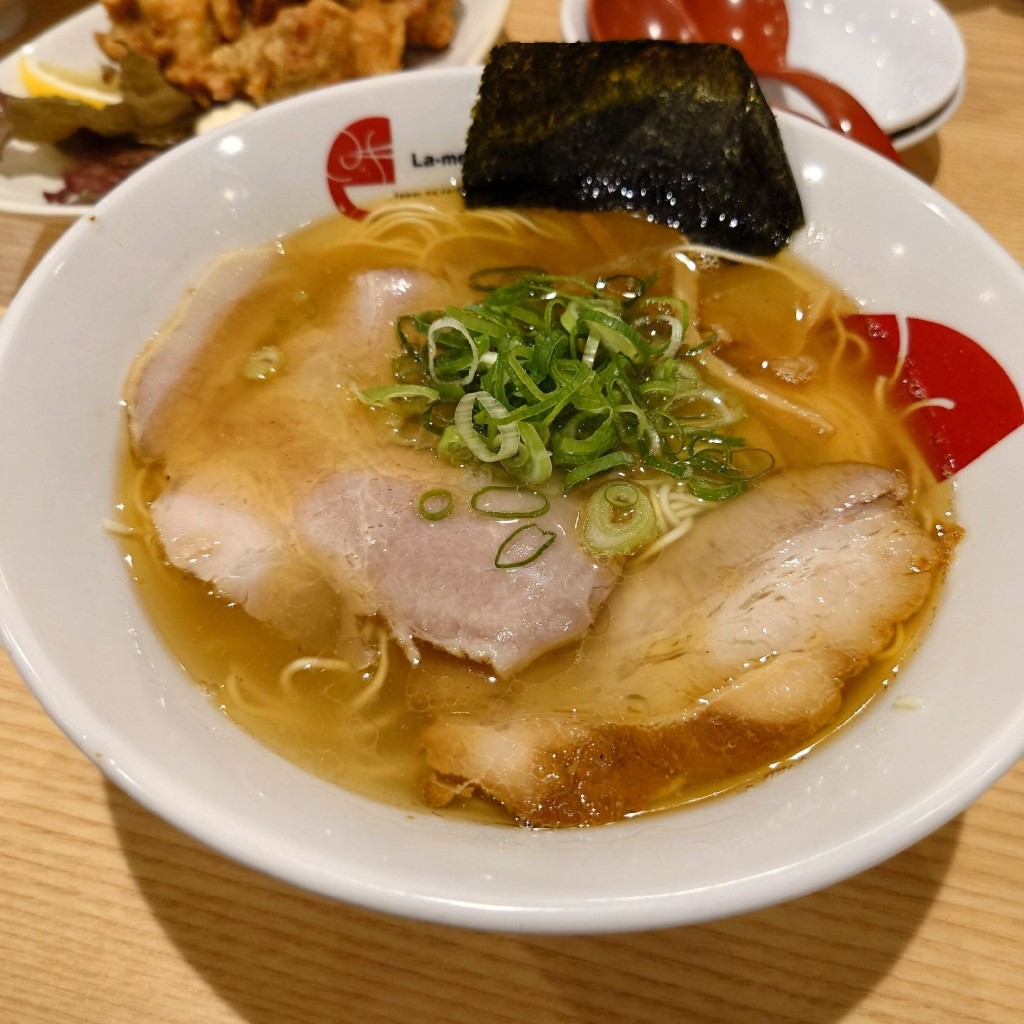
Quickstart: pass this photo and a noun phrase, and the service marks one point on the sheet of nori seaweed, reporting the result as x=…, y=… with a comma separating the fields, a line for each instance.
x=680, y=132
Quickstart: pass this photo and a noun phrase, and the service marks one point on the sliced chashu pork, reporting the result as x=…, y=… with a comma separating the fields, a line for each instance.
x=233, y=469
x=436, y=581
x=221, y=525
x=285, y=503
x=178, y=385
x=727, y=653
x=358, y=542
x=163, y=373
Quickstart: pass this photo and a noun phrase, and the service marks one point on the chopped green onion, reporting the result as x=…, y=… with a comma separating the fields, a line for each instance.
x=522, y=546
x=451, y=447
x=532, y=463
x=613, y=460
x=614, y=333
x=508, y=433
x=390, y=396
x=711, y=488
x=554, y=374
x=509, y=508
x=630, y=422
x=618, y=519
x=436, y=504
x=655, y=326
x=621, y=496
x=752, y=462
x=449, y=323
x=263, y=364
x=583, y=438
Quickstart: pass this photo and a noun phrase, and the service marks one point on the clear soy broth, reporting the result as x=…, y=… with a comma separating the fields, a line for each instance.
x=779, y=319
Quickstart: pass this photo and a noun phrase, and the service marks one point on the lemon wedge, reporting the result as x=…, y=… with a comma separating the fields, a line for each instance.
x=41, y=79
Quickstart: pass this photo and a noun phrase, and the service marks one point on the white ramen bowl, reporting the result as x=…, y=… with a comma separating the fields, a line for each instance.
x=77, y=633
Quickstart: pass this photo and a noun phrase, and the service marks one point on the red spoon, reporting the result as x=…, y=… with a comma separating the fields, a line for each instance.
x=759, y=29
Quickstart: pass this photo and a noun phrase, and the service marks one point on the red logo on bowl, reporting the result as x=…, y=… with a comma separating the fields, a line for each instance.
x=959, y=399
x=361, y=154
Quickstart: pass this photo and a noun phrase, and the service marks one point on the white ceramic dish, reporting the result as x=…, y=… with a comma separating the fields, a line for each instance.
x=907, y=138
x=903, y=60
x=77, y=634
x=28, y=170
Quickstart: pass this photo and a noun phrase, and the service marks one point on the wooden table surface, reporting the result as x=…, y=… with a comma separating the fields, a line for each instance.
x=109, y=915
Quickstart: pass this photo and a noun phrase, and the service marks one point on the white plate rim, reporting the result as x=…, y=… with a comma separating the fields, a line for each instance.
x=480, y=25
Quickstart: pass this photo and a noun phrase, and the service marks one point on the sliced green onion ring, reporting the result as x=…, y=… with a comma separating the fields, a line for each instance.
x=710, y=488
x=436, y=504
x=532, y=463
x=618, y=519
x=615, y=334
x=753, y=462
x=480, y=502
x=449, y=323
x=263, y=364
x=508, y=433
x=389, y=396
x=571, y=445
x=613, y=460
x=621, y=495
x=525, y=549
x=675, y=332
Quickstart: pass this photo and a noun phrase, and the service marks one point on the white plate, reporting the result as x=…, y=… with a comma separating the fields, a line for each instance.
x=28, y=170
x=909, y=137
x=78, y=635
x=904, y=60
x=786, y=98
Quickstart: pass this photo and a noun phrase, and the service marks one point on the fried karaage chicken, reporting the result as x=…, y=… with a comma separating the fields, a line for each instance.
x=263, y=50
